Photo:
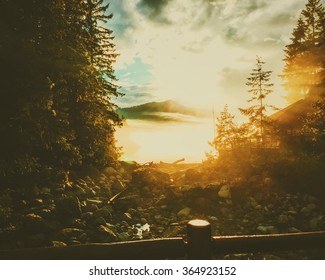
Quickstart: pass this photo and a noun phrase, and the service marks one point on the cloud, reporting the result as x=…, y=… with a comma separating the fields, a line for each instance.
x=197, y=51
x=135, y=95
x=153, y=9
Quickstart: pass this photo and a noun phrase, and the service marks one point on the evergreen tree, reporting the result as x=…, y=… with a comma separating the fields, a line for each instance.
x=56, y=86
x=226, y=132
x=304, y=58
x=260, y=88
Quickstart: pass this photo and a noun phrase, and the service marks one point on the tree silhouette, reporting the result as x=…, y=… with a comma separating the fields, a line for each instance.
x=304, y=56
x=259, y=88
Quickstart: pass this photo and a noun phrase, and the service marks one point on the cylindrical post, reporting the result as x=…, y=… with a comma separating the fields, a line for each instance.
x=199, y=240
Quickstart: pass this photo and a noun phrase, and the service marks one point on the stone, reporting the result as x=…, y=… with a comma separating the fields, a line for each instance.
x=252, y=202
x=55, y=243
x=150, y=177
x=84, y=238
x=308, y=209
x=267, y=229
x=79, y=191
x=224, y=192
x=33, y=222
x=185, y=212
x=103, y=213
x=89, y=207
x=283, y=219
x=87, y=216
x=68, y=207
x=117, y=186
x=124, y=236
x=313, y=223
x=67, y=233
x=192, y=175
x=143, y=221
x=104, y=235
x=127, y=217
x=37, y=240
x=97, y=202
x=262, y=229
x=109, y=171
x=293, y=230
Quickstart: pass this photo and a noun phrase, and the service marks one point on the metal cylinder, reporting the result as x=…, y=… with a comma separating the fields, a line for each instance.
x=199, y=240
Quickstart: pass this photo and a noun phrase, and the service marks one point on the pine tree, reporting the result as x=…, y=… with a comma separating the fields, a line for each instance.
x=304, y=58
x=226, y=131
x=56, y=86
x=260, y=88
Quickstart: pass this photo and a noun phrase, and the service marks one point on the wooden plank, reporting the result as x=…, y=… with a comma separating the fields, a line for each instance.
x=268, y=242
x=132, y=250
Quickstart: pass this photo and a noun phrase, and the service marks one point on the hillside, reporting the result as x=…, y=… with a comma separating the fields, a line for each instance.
x=160, y=111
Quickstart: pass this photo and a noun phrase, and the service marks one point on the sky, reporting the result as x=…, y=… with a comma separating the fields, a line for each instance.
x=199, y=52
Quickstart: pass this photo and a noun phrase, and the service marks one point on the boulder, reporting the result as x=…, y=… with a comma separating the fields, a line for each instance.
x=33, y=223
x=109, y=171
x=150, y=177
x=103, y=213
x=224, y=192
x=104, y=235
x=67, y=233
x=192, y=175
x=183, y=213
x=68, y=207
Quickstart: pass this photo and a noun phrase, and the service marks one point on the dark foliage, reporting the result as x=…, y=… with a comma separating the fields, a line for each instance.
x=56, y=87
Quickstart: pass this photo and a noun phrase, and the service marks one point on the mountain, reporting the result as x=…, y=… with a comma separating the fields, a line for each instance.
x=165, y=111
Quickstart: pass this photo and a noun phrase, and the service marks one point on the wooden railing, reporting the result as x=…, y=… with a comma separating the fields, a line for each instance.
x=198, y=244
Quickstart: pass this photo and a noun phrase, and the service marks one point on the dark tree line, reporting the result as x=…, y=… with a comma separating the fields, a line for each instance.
x=56, y=86
x=303, y=73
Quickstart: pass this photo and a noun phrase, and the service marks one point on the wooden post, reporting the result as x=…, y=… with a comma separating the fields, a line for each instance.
x=199, y=240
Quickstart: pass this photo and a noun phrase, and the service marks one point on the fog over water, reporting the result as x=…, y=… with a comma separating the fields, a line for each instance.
x=183, y=137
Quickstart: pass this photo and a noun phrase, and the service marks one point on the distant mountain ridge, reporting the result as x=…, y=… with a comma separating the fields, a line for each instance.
x=156, y=110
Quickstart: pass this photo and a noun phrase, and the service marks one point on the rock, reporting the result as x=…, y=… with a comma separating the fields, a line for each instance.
x=185, y=212
x=109, y=171
x=150, y=177
x=283, y=219
x=79, y=191
x=68, y=207
x=96, y=202
x=84, y=238
x=127, y=217
x=143, y=221
x=103, y=234
x=33, y=222
x=67, y=233
x=57, y=244
x=124, y=236
x=89, y=207
x=117, y=186
x=103, y=213
x=87, y=216
x=313, y=223
x=252, y=202
x=293, y=230
x=96, y=222
x=308, y=209
x=37, y=240
x=267, y=229
x=224, y=192
x=192, y=175
x=78, y=223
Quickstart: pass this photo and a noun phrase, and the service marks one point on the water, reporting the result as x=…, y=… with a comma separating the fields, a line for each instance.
x=145, y=141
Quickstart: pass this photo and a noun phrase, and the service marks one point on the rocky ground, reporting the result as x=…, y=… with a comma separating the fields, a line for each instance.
x=141, y=202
